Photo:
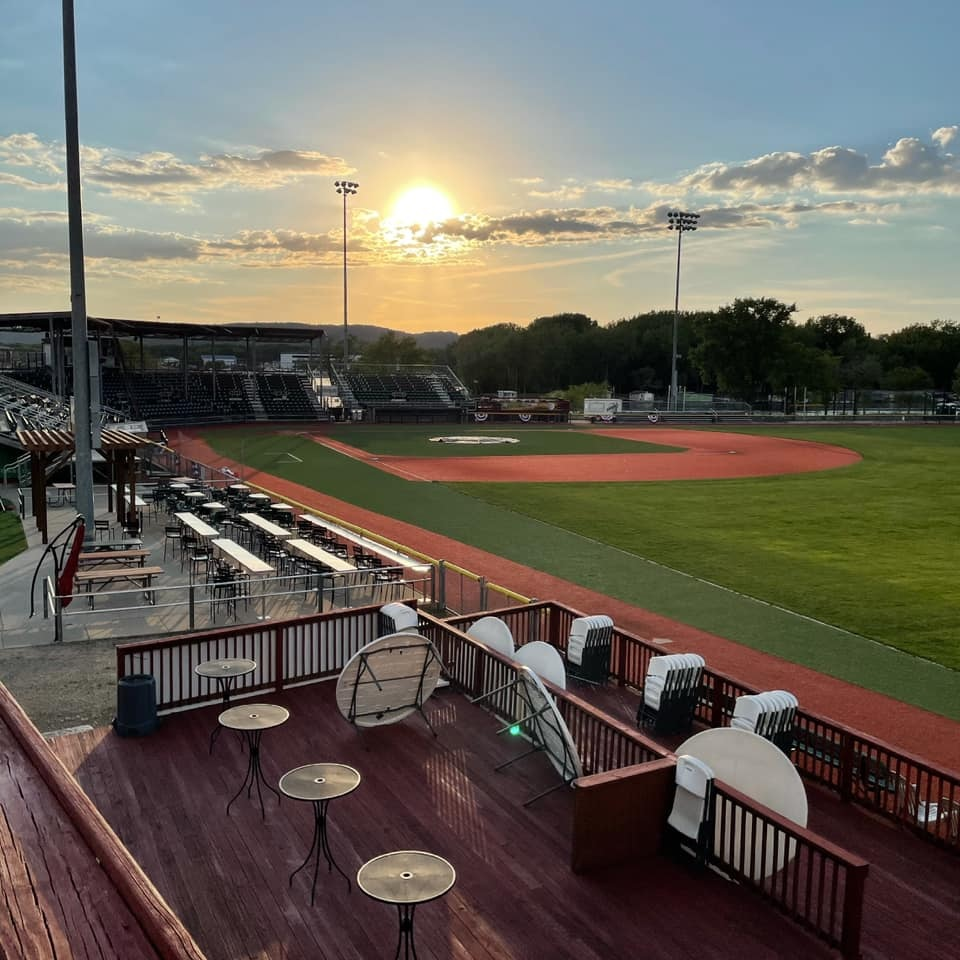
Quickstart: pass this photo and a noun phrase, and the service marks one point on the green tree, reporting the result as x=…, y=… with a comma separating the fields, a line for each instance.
x=935, y=347
x=392, y=347
x=746, y=347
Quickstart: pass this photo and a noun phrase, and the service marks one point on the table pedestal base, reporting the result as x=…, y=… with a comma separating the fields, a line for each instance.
x=405, y=939
x=254, y=774
x=320, y=844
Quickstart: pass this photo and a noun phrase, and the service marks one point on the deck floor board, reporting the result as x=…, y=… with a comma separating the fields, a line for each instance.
x=515, y=896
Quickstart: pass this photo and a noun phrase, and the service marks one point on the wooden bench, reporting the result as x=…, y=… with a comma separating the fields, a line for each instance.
x=115, y=557
x=139, y=576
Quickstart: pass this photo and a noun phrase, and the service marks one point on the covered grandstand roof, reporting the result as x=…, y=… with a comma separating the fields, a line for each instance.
x=161, y=328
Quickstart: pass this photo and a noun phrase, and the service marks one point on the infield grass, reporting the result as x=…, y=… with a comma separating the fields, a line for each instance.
x=414, y=441
x=867, y=549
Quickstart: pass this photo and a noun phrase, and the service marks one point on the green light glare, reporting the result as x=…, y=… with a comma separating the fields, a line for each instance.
x=515, y=730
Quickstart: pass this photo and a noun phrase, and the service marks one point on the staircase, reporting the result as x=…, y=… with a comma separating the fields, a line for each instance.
x=249, y=383
x=439, y=389
x=315, y=404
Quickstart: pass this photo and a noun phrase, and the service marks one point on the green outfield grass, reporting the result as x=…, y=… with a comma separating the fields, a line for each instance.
x=867, y=549
x=12, y=540
x=414, y=441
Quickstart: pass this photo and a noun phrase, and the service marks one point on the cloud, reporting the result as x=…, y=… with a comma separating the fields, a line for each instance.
x=165, y=178
x=527, y=181
x=160, y=177
x=944, y=136
x=24, y=183
x=28, y=150
x=910, y=166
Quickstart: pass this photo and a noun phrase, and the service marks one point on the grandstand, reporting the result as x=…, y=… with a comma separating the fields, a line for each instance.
x=175, y=384
x=401, y=393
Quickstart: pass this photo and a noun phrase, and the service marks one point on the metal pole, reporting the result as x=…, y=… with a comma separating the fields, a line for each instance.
x=78, y=301
x=676, y=323
x=345, y=347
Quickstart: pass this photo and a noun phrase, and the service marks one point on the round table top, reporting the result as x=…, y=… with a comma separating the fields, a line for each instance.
x=319, y=781
x=406, y=876
x=227, y=667
x=254, y=716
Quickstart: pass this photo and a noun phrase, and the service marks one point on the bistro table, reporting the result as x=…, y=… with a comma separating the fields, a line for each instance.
x=225, y=672
x=406, y=878
x=251, y=719
x=319, y=783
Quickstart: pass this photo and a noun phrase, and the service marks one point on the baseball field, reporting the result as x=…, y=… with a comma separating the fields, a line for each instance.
x=829, y=546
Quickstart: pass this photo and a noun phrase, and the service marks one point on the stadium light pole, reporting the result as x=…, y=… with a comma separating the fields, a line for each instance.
x=681, y=222
x=345, y=188
x=82, y=426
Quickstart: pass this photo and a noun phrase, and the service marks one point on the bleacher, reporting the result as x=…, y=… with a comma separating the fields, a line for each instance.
x=284, y=397
x=162, y=397
x=412, y=393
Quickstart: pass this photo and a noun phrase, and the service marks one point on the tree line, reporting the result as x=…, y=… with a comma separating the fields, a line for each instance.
x=751, y=350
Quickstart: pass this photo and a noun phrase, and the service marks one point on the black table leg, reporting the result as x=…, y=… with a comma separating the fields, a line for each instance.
x=254, y=774
x=405, y=939
x=320, y=844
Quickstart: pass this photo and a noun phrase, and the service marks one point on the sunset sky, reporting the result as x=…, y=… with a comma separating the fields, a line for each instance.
x=545, y=143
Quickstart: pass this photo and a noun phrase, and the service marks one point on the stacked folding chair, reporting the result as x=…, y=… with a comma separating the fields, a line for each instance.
x=670, y=693
x=770, y=714
x=397, y=618
x=588, y=649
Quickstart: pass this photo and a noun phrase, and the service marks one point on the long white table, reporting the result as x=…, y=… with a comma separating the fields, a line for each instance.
x=392, y=557
x=242, y=557
x=312, y=552
x=198, y=526
x=138, y=501
x=267, y=526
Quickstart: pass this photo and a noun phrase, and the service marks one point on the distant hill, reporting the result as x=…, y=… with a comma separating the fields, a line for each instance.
x=432, y=340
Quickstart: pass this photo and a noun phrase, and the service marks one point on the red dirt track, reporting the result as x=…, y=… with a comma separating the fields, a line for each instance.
x=706, y=456
x=908, y=727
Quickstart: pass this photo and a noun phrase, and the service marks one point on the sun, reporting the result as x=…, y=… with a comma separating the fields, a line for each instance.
x=421, y=206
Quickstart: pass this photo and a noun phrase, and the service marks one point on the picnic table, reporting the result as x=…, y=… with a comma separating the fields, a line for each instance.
x=104, y=576
x=116, y=557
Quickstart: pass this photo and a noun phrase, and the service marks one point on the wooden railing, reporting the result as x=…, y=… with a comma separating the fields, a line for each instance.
x=603, y=743
x=868, y=772
x=285, y=651
x=814, y=882
x=829, y=898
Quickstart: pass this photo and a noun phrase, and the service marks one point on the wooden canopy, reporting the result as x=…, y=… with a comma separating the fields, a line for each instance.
x=119, y=448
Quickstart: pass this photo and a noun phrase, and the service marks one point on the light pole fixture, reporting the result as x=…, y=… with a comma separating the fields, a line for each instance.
x=681, y=222
x=345, y=188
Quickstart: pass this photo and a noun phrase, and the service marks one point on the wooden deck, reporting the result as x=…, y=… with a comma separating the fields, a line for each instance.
x=58, y=898
x=515, y=896
x=912, y=902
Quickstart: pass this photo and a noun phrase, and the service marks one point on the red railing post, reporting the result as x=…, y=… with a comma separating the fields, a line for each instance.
x=848, y=761
x=853, y=910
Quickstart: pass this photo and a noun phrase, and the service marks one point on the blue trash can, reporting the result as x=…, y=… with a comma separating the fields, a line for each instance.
x=136, y=705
